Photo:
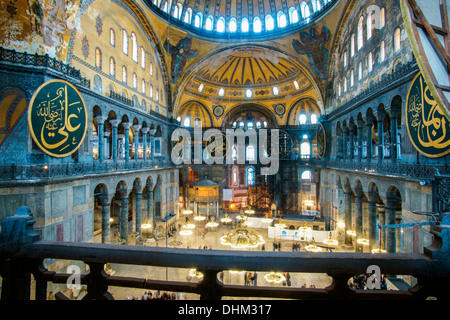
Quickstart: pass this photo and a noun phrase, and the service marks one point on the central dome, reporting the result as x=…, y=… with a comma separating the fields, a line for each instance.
x=241, y=18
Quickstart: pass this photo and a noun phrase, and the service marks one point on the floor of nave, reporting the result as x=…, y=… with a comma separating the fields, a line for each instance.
x=209, y=240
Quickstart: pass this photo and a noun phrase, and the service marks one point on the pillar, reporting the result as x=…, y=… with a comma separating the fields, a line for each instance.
x=152, y=144
x=105, y=203
x=360, y=139
x=106, y=144
x=114, y=124
x=138, y=195
x=126, y=127
x=351, y=134
x=150, y=212
x=372, y=208
x=369, y=124
x=348, y=215
x=100, y=133
x=380, y=136
x=123, y=214
x=382, y=218
x=345, y=144
x=144, y=142
x=394, y=115
x=136, y=128
x=340, y=148
x=391, y=241
x=359, y=219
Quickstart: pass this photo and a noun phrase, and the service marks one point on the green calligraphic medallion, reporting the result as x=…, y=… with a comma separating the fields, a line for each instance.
x=321, y=137
x=57, y=118
x=427, y=123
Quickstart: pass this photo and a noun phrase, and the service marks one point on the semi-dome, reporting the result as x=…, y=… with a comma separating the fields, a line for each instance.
x=241, y=19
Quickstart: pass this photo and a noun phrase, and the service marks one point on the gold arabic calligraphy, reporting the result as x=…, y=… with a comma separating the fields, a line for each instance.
x=430, y=124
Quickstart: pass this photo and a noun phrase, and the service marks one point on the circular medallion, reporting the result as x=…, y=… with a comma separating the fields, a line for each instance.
x=321, y=141
x=427, y=122
x=57, y=118
x=218, y=111
x=280, y=109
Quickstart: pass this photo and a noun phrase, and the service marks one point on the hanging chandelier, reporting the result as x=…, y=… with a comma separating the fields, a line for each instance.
x=312, y=247
x=226, y=219
x=330, y=241
x=242, y=238
x=188, y=212
x=280, y=225
x=199, y=218
x=266, y=219
x=274, y=277
x=363, y=241
x=377, y=250
x=175, y=242
x=305, y=230
x=250, y=211
x=195, y=274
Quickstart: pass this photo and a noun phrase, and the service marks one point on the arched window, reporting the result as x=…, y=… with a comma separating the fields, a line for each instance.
x=293, y=15
x=306, y=175
x=124, y=74
x=360, y=71
x=281, y=19
x=360, y=33
x=97, y=84
x=151, y=91
x=302, y=118
x=151, y=68
x=177, y=10
x=200, y=88
x=197, y=122
x=188, y=15
x=157, y=95
x=209, y=23
x=234, y=125
x=370, y=62
x=232, y=26
x=345, y=59
x=352, y=78
x=250, y=125
x=187, y=122
x=382, y=51
x=258, y=125
x=221, y=92
x=134, y=80
x=296, y=85
x=369, y=25
x=314, y=118
x=382, y=17
x=276, y=91
x=244, y=25
x=235, y=176
x=143, y=57
x=316, y=5
x=305, y=150
x=269, y=22
x=112, y=67
x=352, y=45
x=135, y=46
x=112, y=37
x=98, y=58
x=241, y=125
x=198, y=20
x=250, y=176
x=345, y=84
x=339, y=89
x=165, y=7
x=143, y=86
x=257, y=26
x=248, y=93
x=305, y=10
x=125, y=42
x=221, y=25
x=397, y=39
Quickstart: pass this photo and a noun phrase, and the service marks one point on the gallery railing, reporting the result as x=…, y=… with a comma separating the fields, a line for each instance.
x=22, y=255
x=43, y=171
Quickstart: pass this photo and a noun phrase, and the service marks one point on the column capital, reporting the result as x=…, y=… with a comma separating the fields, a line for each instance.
x=100, y=119
x=103, y=200
x=137, y=127
x=152, y=132
x=106, y=134
x=114, y=122
x=145, y=130
x=126, y=125
x=381, y=115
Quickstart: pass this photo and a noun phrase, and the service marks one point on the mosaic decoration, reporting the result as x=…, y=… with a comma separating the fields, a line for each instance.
x=321, y=141
x=179, y=53
x=85, y=47
x=57, y=118
x=428, y=126
x=312, y=45
x=99, y=25
x=13, y=106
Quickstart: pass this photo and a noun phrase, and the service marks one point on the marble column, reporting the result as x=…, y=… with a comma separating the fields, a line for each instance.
x=345, y=144
x=123, y=215
x=359, y=219
x=382, y=218
x=152, y=144
x=360, y=139
x=136, y=128
x=380, y=136
x=114, y=125
x=391, y=241
x=106, y=143
x=105, y=203
x=369, y=124
x=144, y=142
x=373, y=228
x=348, y=216
x=126, y=128
x=150, y=208
x=351, y=133
x=100, y=134
x=340, y=148
x=138, y=196
x=394, y=116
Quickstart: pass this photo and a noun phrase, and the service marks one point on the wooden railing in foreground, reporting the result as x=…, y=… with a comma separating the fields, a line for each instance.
x=22, y=254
